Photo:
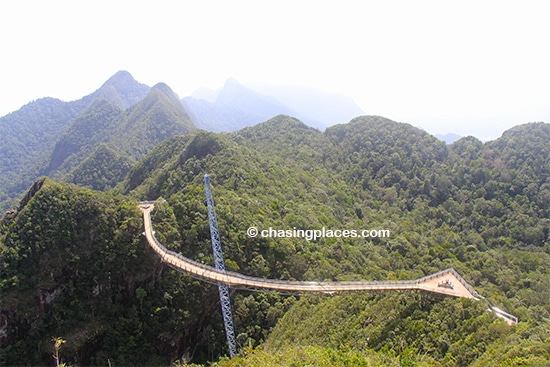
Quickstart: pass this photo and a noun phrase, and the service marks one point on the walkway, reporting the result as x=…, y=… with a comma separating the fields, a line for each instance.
x=447, y=282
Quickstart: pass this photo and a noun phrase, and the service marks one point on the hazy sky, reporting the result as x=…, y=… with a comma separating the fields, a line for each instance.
x=469, y=67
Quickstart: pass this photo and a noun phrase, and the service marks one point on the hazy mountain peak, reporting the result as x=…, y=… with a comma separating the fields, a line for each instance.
x=245, y=99
x=315, y=107
x=232, y=82
x=448, y=138
x=233, y=92
x=237, y=105
x=121, y=90
x=164, y=88
x=121, y=77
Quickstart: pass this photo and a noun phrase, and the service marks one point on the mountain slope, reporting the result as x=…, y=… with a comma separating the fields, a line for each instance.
x=158, y=116
x=523, y=149
x=102, y=170
x=445, y=206
x=94, y=126
x=285, y=137
x=29, y=134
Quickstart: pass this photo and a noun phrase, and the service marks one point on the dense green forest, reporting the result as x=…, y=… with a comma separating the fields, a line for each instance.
x=74, y=264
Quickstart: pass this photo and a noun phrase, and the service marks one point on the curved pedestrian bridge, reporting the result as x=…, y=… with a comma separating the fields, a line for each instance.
x=447, y=282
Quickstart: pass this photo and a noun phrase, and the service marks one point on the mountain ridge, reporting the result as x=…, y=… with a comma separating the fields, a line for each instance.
x=158, y=116
x=121, y=89
x=133, y=132
x=74, y=263
x=30, y=133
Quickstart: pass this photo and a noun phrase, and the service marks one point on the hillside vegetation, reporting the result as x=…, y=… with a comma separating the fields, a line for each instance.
x=74, y=262
x=39, y=137
x=50, y=137
x=130, y=134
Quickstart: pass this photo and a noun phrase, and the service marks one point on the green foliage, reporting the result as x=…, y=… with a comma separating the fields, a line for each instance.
x=93, y=127
x=157, y=117
x=480, y=208
x=73, y=263
x=27, y=135
x=454, y=332
x=30, y=134
x=312, y=355
x=102, y=170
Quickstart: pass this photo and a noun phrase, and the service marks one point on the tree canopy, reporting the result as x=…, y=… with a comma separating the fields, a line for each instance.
x=74, y=263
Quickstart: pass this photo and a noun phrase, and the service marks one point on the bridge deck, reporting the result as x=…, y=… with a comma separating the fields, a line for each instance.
x=447, y=282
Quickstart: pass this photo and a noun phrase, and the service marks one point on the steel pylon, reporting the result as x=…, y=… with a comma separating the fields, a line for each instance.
x=219, y=263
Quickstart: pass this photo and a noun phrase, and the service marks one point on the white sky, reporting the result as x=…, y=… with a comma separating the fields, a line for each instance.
x=468, y=67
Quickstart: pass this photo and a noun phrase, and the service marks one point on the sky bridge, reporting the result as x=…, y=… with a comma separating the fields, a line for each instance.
x=446, y=282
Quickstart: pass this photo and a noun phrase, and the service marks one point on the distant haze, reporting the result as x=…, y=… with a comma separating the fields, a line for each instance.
x=470, y=67
x=261, y=101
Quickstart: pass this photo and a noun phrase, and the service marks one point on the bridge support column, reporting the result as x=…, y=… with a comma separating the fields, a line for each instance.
x=223, y=289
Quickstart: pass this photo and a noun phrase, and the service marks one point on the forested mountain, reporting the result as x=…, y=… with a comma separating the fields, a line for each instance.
x=102, y=170
x=73, y=262
x=51, y=137
x=94, y=126
x=133, y=132
x=29, y=134
x=158, y=116
x=131, y=117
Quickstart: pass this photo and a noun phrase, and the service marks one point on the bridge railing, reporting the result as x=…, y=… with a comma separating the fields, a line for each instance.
x=251, y=279
x=248, y=282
